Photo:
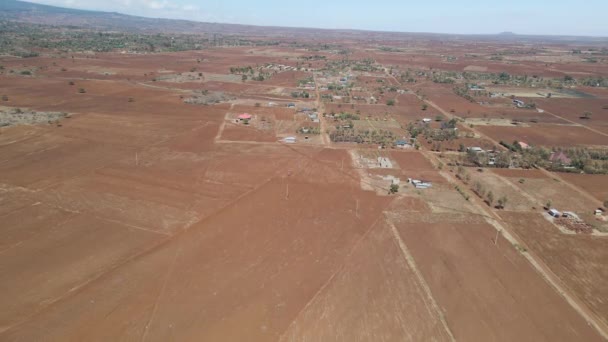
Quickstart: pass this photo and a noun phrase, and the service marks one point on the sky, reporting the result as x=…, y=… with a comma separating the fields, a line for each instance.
x=555, y=17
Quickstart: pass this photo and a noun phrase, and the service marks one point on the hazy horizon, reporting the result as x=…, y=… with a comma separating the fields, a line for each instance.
x=466, y=17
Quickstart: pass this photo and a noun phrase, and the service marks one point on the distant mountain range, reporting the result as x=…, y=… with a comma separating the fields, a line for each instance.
x=27, y=12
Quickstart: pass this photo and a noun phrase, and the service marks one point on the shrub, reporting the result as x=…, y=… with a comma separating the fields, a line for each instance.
x=82, y=90
x=393, y=189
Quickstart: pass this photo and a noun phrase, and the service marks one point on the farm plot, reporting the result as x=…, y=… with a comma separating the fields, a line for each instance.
x=546, y=135
x=480, y=285
x=578, y=260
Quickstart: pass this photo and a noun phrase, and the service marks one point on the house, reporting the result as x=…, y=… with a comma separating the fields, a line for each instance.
x=560, y=158
x=245, y=116
x=402, y=144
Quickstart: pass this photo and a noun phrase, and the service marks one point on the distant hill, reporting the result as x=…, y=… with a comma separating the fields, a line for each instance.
x=50, y=15
x=27, y=12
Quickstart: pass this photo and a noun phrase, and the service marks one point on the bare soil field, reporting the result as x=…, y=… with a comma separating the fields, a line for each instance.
x=545, y=189
x=412, y=161
x=372, y=281
x=141, y=217
x=574, y=109
x=578, y=260
x=596, y=185
x=461, y=265
x=546, y=135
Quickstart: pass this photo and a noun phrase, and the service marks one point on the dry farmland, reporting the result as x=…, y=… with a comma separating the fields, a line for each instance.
x=138, y=213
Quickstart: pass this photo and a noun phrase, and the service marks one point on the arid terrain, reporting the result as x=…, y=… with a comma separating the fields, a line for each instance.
x=358, y=187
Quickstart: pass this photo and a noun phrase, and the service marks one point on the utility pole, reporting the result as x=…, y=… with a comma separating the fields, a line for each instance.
x=287, y=185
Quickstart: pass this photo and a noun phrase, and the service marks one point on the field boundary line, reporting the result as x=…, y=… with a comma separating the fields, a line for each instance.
x=160, y=293
x=421, y=282
x=330, y=279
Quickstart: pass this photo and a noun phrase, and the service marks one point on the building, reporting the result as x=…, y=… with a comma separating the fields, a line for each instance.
x=426, y=120
x=519, y=103
x=475, y=149
x=402, y=144
x=419, y=184
x=245, y=116
x=560, y=158
x=523, y=145
x=289, y=140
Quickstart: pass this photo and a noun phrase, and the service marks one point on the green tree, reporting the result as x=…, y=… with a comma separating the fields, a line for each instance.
x=587, y=115
x=393, y=189
x=425, y=106
x=502, y=202
x=390, y=102
x=490, y=198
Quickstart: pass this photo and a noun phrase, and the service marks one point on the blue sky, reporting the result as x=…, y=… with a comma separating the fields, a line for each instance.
x=559, y=17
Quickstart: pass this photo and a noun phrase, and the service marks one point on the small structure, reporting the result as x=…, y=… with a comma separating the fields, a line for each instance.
x=599, y=212
x=523, y=145
x=426, y=120
x=419, y=184
x=289, y=140
x=519, y=103
x=291, y=105
x=475, y=149
x=554, y=213
x=245, y=116
x=402, y=144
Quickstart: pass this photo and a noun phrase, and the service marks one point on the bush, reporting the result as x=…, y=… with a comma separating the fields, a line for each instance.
x=4, y=98
x=82, y=90
x=393, y=189
x=390, y=102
